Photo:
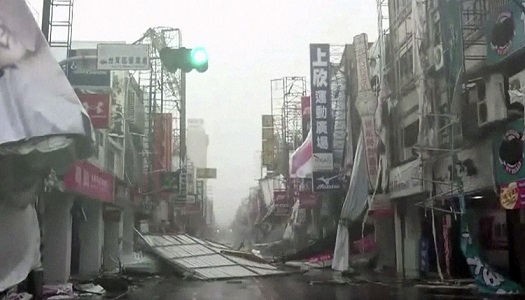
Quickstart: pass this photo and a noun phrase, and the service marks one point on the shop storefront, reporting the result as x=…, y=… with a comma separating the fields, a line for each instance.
x=91, y=190
x=509, y=172
x=474, y=169
x=406, y=188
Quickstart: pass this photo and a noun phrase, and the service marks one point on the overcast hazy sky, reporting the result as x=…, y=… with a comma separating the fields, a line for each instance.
x=249, y=43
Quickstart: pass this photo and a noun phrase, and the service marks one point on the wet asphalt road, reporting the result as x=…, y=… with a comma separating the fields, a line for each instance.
x=308, y=286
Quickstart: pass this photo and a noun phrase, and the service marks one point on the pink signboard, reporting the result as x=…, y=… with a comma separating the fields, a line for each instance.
x=308, y=199
x=89, y=180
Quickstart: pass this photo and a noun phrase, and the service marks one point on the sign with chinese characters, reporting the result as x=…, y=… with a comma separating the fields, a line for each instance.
x=505, y=32
x=83, y=73
x=206, y=173
x=366, y=105
x=321, y=104
x=97, y=107
x=123, y=57
x=268, y=143
x=281, y=203
x=326, y=181
x=89, y=180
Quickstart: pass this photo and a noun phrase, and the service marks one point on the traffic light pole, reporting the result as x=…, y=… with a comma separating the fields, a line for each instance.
x=182, y=119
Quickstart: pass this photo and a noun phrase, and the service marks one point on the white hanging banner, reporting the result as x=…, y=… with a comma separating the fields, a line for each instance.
x=36, y=98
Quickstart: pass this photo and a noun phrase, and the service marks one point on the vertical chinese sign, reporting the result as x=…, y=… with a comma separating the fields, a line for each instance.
x=268, y=142
x=321, y=116
x=366, y=104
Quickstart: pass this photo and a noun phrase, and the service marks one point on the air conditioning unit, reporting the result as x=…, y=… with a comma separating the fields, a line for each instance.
x=491, y=100
x=437, y=57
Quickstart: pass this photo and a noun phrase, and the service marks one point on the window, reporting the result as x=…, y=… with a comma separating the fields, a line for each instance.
x=406, y=67
x=410, y=134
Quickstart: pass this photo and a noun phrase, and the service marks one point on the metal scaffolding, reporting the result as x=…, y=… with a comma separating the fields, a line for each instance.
x=286, y=109
x=162, y=90
x=57, y=24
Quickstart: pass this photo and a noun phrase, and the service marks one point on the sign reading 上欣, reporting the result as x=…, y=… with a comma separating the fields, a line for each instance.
x=122, y=57
x=321, y=106
x=321, y=116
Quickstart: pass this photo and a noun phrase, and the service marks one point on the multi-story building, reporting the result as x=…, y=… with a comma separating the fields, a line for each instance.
x=92, y=225
x=451, y=111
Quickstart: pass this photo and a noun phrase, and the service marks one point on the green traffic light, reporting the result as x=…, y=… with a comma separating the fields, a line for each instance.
x=199, y=56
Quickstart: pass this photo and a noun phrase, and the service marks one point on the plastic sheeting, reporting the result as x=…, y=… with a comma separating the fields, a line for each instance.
x=35, y=94
x=301, y=159
x=355, y=204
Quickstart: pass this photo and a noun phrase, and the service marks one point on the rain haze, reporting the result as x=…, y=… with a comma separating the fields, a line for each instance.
x=249, y=44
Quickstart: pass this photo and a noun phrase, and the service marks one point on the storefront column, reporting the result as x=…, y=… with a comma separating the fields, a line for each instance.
x=56, y=254
x=385, y=238
x=411, y=241
x=128, y=231
x=91, y=238
x=113, y=226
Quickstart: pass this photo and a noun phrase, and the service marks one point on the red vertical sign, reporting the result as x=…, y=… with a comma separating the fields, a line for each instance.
x=97, y=107
x=163, y=141
x=306, y=105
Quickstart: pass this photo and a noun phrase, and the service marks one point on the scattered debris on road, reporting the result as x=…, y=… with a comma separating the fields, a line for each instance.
x=206, y=260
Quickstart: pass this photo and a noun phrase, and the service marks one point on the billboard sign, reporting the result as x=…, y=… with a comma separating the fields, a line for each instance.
x=170, y=181
x=89, y=180
x=308, y=199
x=83, y=73
x=505, y=32
x=327, y=181
x=321, y=104
x=206, y=173
x=123, y=57
x=281, y=204
x=268, y=146
x=366, y=105
x=163, y=136
x=97, y=107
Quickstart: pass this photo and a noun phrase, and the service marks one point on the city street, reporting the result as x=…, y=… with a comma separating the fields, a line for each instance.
x=312, y=285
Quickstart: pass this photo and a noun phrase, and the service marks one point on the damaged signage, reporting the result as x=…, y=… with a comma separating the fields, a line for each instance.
x=326, y=181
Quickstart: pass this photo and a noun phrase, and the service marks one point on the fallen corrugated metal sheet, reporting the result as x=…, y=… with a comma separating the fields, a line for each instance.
x=204, y=260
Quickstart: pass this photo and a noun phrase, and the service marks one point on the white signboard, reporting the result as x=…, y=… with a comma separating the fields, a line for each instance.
x=123, y=57
x=406, y=180
x=323, y=161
